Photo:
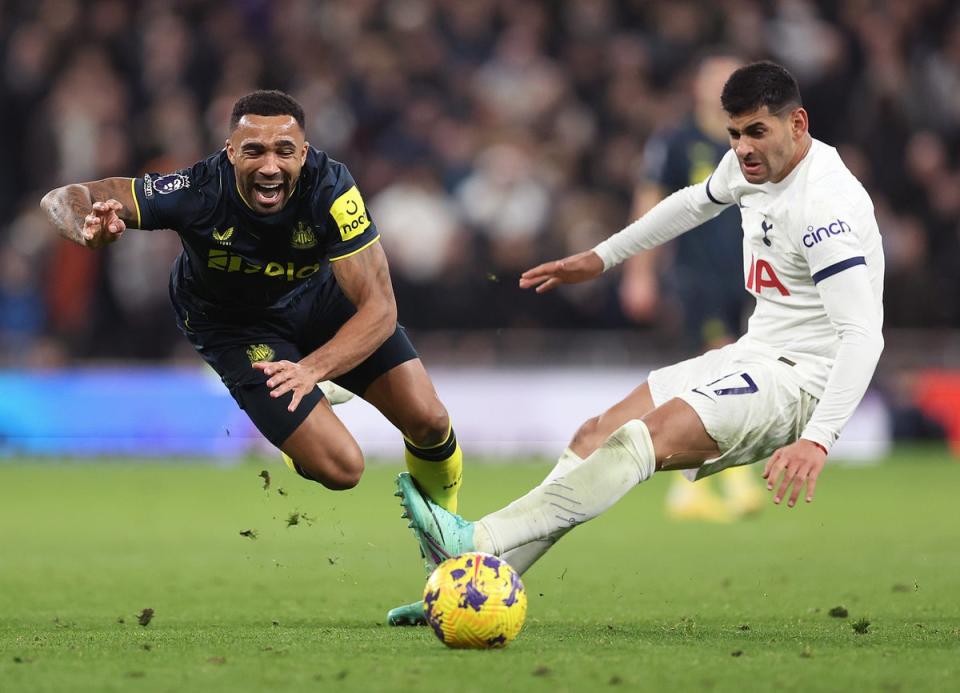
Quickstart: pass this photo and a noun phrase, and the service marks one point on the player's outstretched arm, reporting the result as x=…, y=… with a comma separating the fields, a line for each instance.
x=570, y=270
x=91, y=214
x=799, y=463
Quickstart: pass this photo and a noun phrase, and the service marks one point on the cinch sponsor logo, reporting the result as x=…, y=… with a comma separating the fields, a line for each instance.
x=814, y=236
x=225, y=262
x=350, y=214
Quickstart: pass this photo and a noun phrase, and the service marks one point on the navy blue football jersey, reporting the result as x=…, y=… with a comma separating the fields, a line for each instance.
x=674, y=159
x=236, y=263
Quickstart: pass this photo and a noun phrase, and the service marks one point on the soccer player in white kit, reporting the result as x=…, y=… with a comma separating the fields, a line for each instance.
x=813, y=259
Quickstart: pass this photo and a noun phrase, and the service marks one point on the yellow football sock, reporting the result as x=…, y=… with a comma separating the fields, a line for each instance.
x=740, y=479
x=437, y=469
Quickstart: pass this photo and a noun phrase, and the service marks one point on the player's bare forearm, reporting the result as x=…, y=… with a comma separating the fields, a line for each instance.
x=365, y=280
x=91, y=214
x=66, y=208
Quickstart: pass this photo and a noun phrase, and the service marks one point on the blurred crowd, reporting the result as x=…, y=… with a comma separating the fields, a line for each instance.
x=485, y=135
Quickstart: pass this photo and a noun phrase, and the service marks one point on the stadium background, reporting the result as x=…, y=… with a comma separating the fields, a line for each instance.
x=486, y=136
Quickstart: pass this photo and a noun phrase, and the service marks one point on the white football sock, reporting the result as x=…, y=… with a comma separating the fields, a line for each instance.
x=623, y=461
x=522, y=557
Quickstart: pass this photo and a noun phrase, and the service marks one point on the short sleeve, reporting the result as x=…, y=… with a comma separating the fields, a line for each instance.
x=718, y=184
x=171, y=200
x=830, y=238
x=350, y=227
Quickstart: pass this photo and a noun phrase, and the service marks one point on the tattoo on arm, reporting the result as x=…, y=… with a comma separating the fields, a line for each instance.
x=66, y=207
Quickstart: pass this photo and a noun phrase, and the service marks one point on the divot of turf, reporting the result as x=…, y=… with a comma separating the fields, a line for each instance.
x=145, y=617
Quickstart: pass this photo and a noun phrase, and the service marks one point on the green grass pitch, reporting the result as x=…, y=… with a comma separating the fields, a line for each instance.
x=631, y=601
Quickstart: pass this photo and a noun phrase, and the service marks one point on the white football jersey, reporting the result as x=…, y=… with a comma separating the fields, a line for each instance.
x=813, y=224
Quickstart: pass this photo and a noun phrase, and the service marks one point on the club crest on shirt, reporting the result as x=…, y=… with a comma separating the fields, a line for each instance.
x=164, y=185
x=303, y=237
x=260, y=352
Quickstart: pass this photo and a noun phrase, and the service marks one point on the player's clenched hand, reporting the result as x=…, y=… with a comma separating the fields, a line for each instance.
x=800, y=463
x=102, y=226
x=286, y=376
x=570, y=270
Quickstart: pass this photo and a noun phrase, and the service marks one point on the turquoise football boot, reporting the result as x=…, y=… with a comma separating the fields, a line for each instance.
x=440, y=533
x=407, y=615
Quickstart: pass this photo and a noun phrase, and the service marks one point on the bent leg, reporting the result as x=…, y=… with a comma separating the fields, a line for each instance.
x=323, y=450
x=406, y=397
x=593, y=432
x=678, y=434
x=591, y=435
x=670, y=436
x=524, y=556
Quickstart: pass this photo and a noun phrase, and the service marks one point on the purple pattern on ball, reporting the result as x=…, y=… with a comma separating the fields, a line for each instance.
x=493, y=562
x=499, y=640
x=434, y=619
x=473, y=598
x=436, y=622
x=457, y=573
x=515, y=587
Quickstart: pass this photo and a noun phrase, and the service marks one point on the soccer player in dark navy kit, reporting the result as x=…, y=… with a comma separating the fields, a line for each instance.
x=282, y=284
x=699, y=269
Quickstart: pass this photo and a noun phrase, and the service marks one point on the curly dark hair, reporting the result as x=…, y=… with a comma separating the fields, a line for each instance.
x=267, y=102
x=760, y=84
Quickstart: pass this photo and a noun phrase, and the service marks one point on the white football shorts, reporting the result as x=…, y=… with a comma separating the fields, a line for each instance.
x=750, y=404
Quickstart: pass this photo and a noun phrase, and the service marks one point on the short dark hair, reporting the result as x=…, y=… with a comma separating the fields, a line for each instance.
x=757, y=85
x=267, y=102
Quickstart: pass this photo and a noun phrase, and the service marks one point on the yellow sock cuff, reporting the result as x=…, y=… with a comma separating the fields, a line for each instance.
x=287, y=460
x=438, y=470
x=739, y=478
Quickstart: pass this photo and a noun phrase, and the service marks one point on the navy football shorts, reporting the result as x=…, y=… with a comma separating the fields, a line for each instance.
x=309, y=322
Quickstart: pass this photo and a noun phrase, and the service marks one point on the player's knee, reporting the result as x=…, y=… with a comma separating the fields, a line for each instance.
x=428, y=424
x=342, y=479
x=587, y=438
x=346, y=469
x=337, y=470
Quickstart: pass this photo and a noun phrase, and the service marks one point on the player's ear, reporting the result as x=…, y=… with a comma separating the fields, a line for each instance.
x=231, y=152
x=303, y=152
x=799, y=121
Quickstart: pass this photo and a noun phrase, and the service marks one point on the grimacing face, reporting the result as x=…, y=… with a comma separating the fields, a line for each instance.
x=267, y=153
x=768, y=145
